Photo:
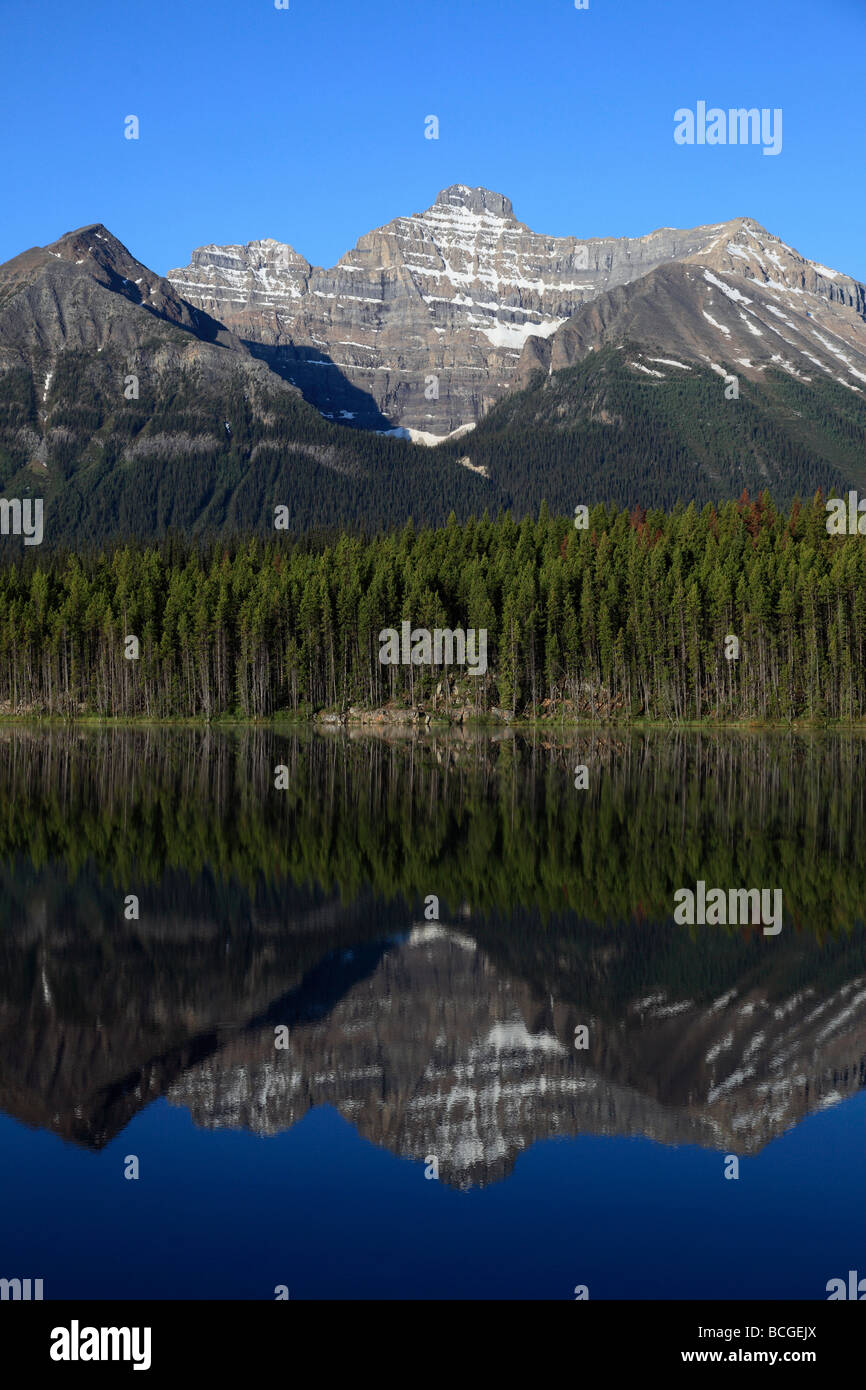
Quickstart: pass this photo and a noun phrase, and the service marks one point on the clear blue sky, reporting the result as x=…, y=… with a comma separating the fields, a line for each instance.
x=308, y=124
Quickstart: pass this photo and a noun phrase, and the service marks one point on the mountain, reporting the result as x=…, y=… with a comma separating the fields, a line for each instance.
x=741, y=365
x=464, y=301
x=49, y=303
x=557, y=370
x=746, y=303
x=130, y=410
x=452, y=293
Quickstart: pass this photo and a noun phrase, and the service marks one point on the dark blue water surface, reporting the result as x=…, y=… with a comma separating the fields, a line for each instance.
x=331, y=1216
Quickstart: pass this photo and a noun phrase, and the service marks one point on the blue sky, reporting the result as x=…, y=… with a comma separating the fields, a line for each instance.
x=307, y=124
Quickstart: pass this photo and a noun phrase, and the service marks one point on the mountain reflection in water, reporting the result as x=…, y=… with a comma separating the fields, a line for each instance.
x=455, y=1038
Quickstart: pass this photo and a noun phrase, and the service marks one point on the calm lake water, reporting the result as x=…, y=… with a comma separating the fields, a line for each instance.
x=420, y=1037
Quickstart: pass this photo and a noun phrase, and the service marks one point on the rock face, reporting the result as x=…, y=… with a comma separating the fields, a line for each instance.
x=421, y=326
x=259, y=287
x=746, y=303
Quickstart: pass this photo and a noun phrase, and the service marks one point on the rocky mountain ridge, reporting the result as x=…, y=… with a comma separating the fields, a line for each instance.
x=432, y=318
x=746, y=303
x=134, y=411
x=91, y=273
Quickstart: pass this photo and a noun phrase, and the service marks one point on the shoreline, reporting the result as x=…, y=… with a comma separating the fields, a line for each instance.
x=415, y=722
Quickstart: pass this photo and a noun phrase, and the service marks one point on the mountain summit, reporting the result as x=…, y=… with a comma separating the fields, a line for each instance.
x=87, y=291
x=475, y=200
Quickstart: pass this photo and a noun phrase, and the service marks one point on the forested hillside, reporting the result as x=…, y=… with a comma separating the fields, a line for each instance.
x=202, y=457
x=208, y=460
x=626, y=618
x=617, y=427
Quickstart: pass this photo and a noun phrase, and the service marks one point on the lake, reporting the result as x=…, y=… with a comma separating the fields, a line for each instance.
x=412, y=1017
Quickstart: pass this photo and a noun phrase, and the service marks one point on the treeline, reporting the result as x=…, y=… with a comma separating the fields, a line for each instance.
x=627, y=618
